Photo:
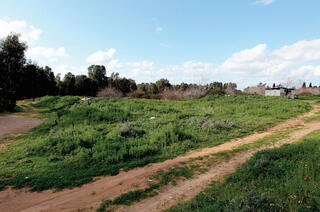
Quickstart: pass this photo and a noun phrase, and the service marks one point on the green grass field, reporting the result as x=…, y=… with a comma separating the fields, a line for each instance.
x=80, y=140
x=284, y=179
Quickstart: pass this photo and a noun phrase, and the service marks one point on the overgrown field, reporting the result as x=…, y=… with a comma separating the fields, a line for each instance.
x=284, y=179
x=83, y=139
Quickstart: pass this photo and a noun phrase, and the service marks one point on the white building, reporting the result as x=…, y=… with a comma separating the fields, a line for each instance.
x=285, y=92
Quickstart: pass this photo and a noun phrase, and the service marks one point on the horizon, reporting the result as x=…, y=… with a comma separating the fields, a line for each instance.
x=245, y=42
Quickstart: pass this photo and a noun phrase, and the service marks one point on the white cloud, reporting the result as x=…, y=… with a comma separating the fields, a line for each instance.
x=265, y=2
x=65, y=68
x=51, y=54
x=28, y=32
x=307, y=72
x=136, y=74
x=303, y=51
x=245, y=57
x=141, y=71
x=146, y=75
x=192, y=67
x=190, y=71
x=159, y=29
x=100, y=57
x=146, y=65
x=113, y=65
x=259, y=64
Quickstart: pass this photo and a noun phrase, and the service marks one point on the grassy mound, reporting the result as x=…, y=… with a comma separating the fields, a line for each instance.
x=284, y=179
x=83, y=139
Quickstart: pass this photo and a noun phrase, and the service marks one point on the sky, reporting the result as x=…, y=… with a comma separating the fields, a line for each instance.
x=241, y=41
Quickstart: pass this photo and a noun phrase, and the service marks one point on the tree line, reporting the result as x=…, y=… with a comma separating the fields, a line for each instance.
x=21, y=79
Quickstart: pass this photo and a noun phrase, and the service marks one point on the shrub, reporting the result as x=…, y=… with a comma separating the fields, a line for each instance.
x=196, y=92
x=154, y=96
x=305, y=94
x=308, y=91
x=7, y=100
x=138, y=94
x=171, y=94
x=109, y=92
x=216, y=91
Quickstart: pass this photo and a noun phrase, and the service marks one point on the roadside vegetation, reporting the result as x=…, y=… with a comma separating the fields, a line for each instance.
x=283, y=179
x=307, y=96
x=83, y=139
x=187, y=170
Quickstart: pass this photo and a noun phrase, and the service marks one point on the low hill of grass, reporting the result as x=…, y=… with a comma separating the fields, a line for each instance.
x=284, y=179
x=83, y=139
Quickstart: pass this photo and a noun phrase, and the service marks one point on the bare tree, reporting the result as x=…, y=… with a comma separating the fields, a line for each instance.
x=258, y=89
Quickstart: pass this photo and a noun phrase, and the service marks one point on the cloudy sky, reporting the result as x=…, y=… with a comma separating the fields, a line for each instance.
x=242, y=41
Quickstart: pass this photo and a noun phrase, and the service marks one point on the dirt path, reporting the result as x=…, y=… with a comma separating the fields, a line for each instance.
x=89, y=196
x=186, y=190
x=12, y=124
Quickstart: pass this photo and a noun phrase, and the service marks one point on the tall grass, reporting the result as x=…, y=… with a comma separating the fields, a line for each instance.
x=83, y=139
x=284, y=179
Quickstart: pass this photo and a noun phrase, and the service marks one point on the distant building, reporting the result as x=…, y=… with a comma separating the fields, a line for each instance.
x=281, y=91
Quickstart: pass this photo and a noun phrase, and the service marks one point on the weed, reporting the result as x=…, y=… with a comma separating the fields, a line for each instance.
x=284, y=179
x=80, y=141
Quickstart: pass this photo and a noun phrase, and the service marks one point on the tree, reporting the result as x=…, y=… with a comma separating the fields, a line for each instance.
x=68, y=84
x=152, y=89
x=183, y=86
x=162, y=84
x=49, y=77
x=12, y=60
x=30, y=86
x=142, y=87
x=7, y=94
x=304, y=85
x=37, y=81
x=98, y=73
x=216, y=85
x=310, y=85
x=59, y=84
x=124, y=85
x=85, y=86
x=230, y=88
x=258, y=89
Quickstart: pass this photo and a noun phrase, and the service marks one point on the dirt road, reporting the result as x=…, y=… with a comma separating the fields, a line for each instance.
x=89, y=196
x=185, y=190
x=11, y=124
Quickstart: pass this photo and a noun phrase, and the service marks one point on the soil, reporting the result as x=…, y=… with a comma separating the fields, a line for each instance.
x=89, y=196
x=186, y=190
x=12, y=124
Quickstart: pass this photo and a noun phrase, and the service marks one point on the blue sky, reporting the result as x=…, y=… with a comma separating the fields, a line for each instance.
x=243, y=41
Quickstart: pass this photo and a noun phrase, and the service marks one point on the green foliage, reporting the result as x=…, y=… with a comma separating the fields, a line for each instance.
x=83, y=139
x=85, y=86
x=163, y=84
x=37, y=81
x=284, y=179
x=12, y=60
x=308, y=96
